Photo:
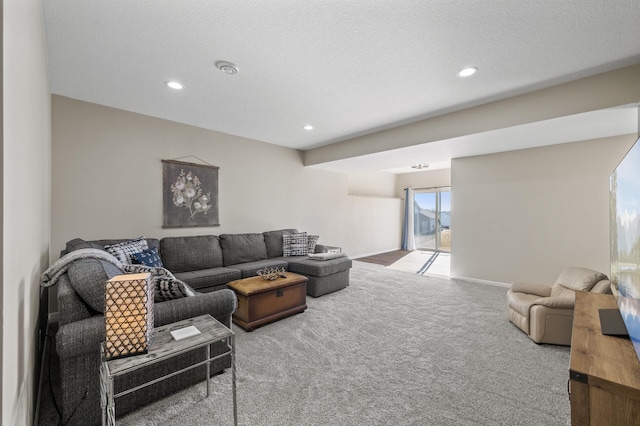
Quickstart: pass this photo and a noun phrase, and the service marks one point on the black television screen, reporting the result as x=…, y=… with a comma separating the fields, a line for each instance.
x=624, y=190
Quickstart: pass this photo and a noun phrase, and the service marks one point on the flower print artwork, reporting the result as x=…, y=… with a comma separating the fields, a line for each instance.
x=190, y=194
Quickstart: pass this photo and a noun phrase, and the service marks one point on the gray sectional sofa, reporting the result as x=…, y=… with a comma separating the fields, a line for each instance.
x=207, y=263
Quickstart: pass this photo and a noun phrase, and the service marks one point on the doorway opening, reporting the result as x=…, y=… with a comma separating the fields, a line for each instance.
x=432, y=219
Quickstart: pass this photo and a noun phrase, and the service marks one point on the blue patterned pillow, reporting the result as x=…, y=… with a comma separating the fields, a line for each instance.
x=125, y=250
x=149, y=257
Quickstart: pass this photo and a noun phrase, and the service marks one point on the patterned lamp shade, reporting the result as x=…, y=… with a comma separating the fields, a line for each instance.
x=128, y=315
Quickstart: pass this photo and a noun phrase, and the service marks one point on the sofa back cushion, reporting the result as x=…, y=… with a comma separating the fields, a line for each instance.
x=242, y=248
x=273, y=241
x=88, y=278
x=184, y=254
x=579, y=279
x=78, y=243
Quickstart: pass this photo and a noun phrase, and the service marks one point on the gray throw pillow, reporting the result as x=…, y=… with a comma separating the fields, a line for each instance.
x=88, y=278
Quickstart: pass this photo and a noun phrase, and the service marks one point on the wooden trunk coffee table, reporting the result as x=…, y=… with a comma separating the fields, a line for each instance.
x=262, y=302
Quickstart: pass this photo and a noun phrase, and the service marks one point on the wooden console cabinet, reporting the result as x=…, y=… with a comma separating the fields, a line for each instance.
x=604, y=371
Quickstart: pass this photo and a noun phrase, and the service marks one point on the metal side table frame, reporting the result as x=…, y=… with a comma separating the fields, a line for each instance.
x=163, y=348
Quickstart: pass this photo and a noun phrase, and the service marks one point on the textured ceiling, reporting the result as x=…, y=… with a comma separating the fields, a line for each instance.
x=347, y=67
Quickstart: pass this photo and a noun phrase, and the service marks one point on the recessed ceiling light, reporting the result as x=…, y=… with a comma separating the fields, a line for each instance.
x=227, y=67
x=308, y=127
x=174, y=85
x=420, y=166
x=467, y=72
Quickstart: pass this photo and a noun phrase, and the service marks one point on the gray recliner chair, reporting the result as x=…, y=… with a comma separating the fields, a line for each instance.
x=545, y=313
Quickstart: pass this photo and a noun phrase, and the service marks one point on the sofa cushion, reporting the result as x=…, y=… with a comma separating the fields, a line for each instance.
x=205, y=278
x=250, y=269
x=242, y=248
x=273, y=241
x=88, y=277
x=318, y=268
x=182, y=254
x=149, y=257
x=125, y=250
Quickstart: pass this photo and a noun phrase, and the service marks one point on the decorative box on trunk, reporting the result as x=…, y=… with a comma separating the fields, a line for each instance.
x=128, y=315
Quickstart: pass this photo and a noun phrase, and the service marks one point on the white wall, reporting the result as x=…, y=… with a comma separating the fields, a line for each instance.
x=26, y=202
x=607, y=90
x=107, y=183
x=427, y=179
x=525, y=215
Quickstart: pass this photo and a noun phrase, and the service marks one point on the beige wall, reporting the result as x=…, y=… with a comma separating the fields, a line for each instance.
x=25, y=203
x=107, y=182
x=525, y=215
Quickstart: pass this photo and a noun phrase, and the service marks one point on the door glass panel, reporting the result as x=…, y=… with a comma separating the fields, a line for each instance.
x=432, y=220
x=444, y=214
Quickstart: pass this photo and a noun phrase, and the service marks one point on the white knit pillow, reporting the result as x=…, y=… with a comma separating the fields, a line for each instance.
x=295, y=244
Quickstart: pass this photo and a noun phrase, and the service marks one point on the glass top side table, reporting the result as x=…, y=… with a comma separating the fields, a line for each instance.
x=165, y=347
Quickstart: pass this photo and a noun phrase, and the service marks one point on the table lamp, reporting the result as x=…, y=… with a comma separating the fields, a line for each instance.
x=128, y=315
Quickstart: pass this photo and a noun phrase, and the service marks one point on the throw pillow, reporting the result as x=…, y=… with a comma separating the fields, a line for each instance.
x=295, y=244
x=171, y=288
x=312, y=241
x=149, y=257
x=125, y=250
x=166, y=286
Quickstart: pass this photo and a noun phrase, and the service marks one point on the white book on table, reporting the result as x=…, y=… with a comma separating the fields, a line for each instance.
x=184, y=333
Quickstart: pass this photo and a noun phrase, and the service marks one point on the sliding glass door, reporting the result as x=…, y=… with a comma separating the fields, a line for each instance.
x=432, y=219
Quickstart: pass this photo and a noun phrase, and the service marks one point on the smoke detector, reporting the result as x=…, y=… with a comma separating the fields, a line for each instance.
x=227, y=67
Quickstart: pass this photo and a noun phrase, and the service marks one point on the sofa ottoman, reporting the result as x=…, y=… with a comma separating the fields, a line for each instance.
x=325, y=276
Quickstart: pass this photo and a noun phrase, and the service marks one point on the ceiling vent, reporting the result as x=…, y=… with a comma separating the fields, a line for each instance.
x=227, y=67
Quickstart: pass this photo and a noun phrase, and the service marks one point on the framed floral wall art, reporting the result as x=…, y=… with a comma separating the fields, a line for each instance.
x=190, y=194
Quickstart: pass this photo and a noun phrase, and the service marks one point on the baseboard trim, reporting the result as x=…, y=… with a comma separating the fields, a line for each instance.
x=485, y=282
x=356, y=257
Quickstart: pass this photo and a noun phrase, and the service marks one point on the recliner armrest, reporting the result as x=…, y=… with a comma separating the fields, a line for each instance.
x=602, y=286
x=541, y=290
x=562, y=302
